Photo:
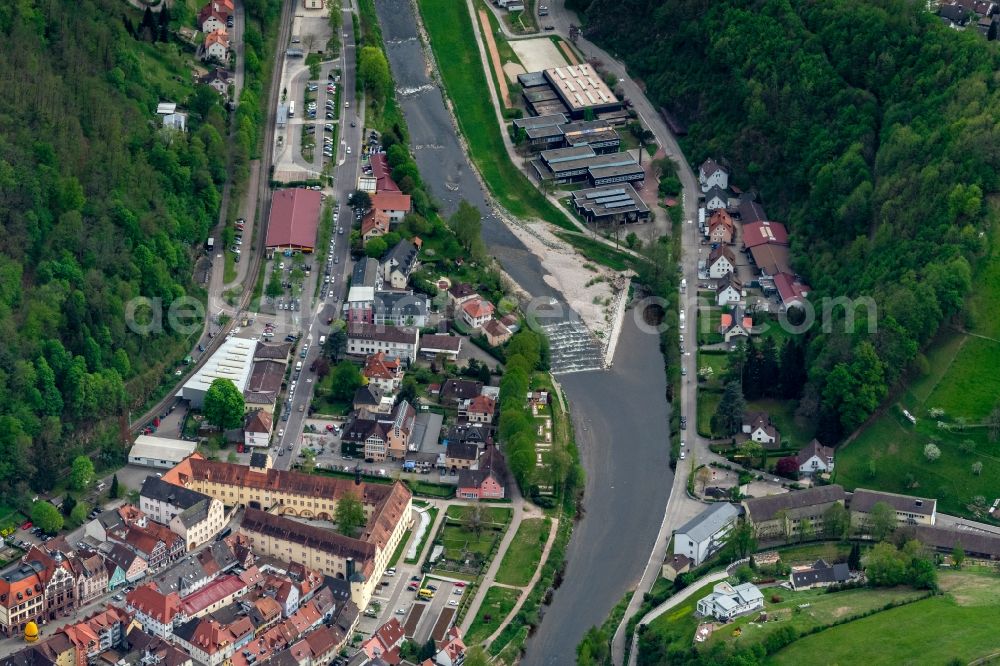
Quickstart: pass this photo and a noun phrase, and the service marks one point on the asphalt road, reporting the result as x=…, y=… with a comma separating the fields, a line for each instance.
x=315, y=312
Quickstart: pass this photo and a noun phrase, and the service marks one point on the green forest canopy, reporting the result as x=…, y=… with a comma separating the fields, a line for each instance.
x=99, y=205
x=867, y=126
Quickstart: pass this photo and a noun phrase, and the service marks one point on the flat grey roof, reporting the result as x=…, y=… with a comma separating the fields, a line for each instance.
x=709, y=521
x=615, y=170
x=548, y=120
x=567, y=154
x=610, y=200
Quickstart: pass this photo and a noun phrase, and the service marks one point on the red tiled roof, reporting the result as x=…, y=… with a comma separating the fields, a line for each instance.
x=375, y=220
x=218, y=589
x=380, y=366
x=381, y=172
x=759, y=233
x=390, y=200
x=294, y=218
x=478, y=308
x=789, y=288
x=149, y=601
x=217, y=36
x=482, y=404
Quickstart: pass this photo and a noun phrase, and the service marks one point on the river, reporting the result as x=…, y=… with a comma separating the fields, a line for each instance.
x=620, y=415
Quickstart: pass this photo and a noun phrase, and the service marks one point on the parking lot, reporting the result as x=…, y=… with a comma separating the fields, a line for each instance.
x=397, y=597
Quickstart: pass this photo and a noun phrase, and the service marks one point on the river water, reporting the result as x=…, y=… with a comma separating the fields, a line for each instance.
x=620, y=415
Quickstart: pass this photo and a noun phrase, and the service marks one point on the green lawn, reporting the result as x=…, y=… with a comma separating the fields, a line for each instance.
x=708, y=403
x=793, y=433
x=401, y=548
x=708, y=324
x=497, y=515
x=971, y=385
x=596, y=251
x=932, y=631
x=525, y=552
x=497, y=603
x=449, y=28
x=822, y=610
x=718, y=362
x=831, y=551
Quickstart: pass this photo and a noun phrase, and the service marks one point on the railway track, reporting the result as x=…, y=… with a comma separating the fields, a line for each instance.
x=263, y=207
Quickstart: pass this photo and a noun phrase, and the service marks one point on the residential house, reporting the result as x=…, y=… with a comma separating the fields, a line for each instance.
x=735, y=324
x=729, y=601
x=400, y=308
x=22, y=600
x=496, y=333
x=760, y=429
x=212, y=17
x=368, y=397
x=367, y=339
x=219, y=78
x=212, y=642
x=394, y=205
x=385, y=641
x=257, y=431
x=147, y=649
x=171, y=117
x=459, y=293
x=374, y=224
x=721, y=261
x=909, y=510
x=116, y=575
x=703, y=536
x=132, y=565
x=451, y=648
x=398, y=264
x=488, y=480
x=720, y=227
x=712, y=174
x=954, y=15
x=781, y=516
x=716, y=198
x=729, y=290
x=314, y=4
x=820, y=574
x=475, y=433
x=454, y=391
x=461, y=455
x=57, y=577
x=814, y=458
x=379, y=436
x=161, y=501
x=199, y=523
x=384, y=372
x=448, y=346
x=477, y=312
x=675, y=566
x=479, y=409
x=216, y=45
x=91, y=576
x=156, y=611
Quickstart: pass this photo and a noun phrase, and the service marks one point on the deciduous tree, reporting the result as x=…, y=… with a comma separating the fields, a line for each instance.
x=82, y=473
x=224, y=404
x=349, y=514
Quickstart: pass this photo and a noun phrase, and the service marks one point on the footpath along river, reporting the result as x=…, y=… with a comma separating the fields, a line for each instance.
x=620, y=415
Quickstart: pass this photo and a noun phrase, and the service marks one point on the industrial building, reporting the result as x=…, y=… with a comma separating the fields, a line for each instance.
x=574, y=90
x=232, y=361
x=582, y=163
x=293, y=221
x=612, y=204
x=553, y=131
x=149, y=451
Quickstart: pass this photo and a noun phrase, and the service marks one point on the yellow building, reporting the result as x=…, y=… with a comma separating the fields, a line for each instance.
x=269, y=493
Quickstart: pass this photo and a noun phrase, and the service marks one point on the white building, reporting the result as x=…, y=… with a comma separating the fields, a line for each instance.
x=726, y=601
x=703, y=536
x=815, y=458
x=231, y=361
x=367, y=339
x=257, y=431
x=712, y=174
x=161, y=452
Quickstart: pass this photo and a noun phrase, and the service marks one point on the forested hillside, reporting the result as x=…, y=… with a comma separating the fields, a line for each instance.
x=98, y=205
x=867, y=126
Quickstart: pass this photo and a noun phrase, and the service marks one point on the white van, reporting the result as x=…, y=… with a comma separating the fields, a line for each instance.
x=298, y=365
x=322, y=339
